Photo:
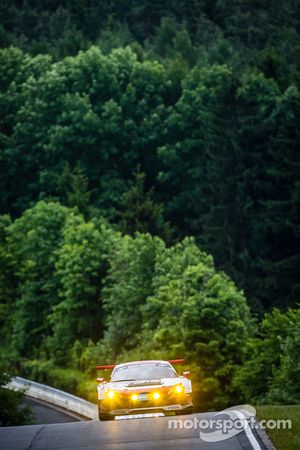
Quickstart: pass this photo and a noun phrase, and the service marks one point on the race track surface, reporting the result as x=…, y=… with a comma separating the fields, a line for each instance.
x=133, y=434
x=45, y=414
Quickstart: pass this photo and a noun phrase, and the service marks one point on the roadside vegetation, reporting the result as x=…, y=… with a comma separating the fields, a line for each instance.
x=81, y=292
x=12, y=410
x=282, y=439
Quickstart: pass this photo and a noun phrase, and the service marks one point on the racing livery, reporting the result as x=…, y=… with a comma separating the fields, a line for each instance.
x=142, y=387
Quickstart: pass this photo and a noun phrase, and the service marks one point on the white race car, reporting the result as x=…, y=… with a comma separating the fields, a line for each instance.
x=142, y=387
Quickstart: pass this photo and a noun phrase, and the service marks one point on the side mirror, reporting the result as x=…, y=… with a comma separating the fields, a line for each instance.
x=187, y=374
x=100, y=380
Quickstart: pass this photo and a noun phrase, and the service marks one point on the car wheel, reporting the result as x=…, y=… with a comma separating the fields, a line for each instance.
x=104, y=417
x=184, y=412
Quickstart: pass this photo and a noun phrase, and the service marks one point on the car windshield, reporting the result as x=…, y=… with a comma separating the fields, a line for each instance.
x=143, y=372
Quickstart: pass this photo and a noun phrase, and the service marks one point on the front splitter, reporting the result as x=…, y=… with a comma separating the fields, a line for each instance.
x=139, y=416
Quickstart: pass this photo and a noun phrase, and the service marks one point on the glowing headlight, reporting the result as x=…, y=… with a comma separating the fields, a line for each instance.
x=110, y=394
x=156, y=395
x=179, y=389
x=134, y=397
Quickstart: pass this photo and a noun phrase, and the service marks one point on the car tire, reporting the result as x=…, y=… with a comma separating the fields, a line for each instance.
x=104, y=417
x=184, y=412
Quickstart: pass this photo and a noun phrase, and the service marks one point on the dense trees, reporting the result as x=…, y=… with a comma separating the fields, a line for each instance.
x=82, y=286
x=272, y=368
x=80, y=268
x=91, y=110
x=138, y=211
x=117, y=137
x=33, y=240
x=230, y=167
x=66, y=27
x=84, y=293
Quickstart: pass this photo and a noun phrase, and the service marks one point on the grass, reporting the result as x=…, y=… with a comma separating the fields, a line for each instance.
x=282, y=439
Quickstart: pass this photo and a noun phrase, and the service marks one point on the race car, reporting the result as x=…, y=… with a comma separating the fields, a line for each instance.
x=143, y=387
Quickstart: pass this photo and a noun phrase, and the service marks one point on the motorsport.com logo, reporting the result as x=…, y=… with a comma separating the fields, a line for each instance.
x=228, y=423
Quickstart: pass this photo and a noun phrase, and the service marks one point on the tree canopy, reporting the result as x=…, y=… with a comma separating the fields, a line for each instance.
x=212, y=154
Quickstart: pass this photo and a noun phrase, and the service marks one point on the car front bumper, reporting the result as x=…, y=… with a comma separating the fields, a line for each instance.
x=166, y=409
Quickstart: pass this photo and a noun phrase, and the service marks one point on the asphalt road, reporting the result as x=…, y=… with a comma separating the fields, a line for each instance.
x=133, y=434
x=45, y=414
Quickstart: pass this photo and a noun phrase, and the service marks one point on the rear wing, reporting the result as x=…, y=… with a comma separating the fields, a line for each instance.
x=112, y=366
x=176, y=361
x=108, y=367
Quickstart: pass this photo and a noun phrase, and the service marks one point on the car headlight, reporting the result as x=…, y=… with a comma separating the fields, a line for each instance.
x=156, y=395
x=134, y=397
x=178, y=389
x=110, y=394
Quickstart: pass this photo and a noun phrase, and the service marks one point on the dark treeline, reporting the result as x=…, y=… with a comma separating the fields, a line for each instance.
x=216, y=152
x=263, y=32
x=171, y=119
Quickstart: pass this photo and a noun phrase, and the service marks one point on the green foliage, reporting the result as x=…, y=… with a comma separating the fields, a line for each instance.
x=115, y=35
x=172, y=41
x=73, y=190
x=271, y=372
x=7, y=277
x=139, y=213
x=283, y=206
x=34, y=239
x=180, y=306
x=229, y=167
x=202, y=316
x=210, y=138
x=81, y=266
x=44, y=371
x=12, y=412
x=127, y=287
x=289, y=440
x=75, y=292
x=86, y=113
x=169, y=118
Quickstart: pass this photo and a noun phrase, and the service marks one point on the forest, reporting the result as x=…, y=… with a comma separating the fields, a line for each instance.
x=150, y=192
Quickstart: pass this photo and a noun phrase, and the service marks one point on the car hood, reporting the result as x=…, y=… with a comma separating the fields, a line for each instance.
x=124, y=385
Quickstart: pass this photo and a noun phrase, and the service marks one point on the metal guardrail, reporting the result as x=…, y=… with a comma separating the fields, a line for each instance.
x=55, y=397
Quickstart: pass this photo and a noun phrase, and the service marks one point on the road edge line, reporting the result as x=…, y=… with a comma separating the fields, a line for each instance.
x=264, y=437
x=253, y=441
